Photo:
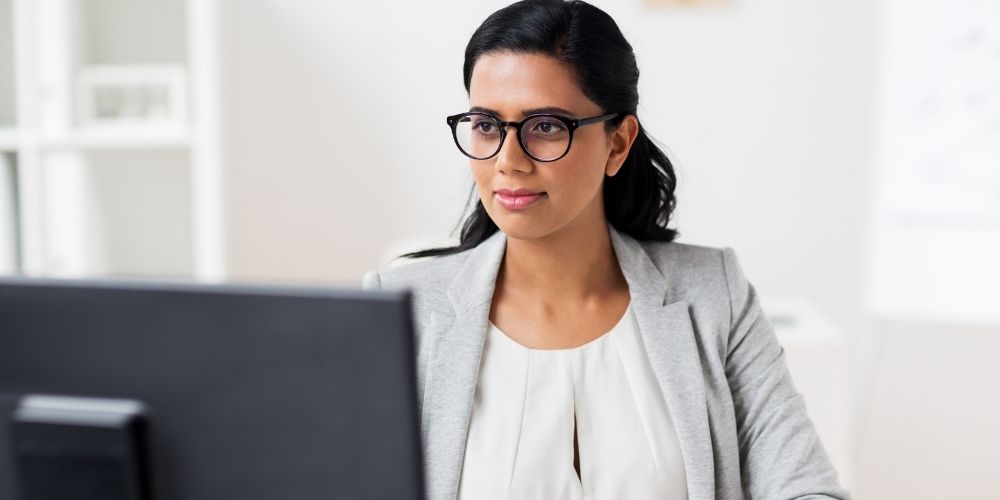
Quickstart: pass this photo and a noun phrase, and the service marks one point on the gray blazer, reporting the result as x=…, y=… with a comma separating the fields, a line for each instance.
x=742, y=427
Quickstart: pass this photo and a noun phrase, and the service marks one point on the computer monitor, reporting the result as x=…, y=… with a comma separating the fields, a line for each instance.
x=206, y=392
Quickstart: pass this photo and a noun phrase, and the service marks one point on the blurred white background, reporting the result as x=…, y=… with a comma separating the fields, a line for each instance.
x=847, y=149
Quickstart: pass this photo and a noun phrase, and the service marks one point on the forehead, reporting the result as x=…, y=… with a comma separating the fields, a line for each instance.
x=511, y=83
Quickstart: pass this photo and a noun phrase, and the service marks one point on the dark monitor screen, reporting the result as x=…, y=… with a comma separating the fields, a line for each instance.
x=246, y=392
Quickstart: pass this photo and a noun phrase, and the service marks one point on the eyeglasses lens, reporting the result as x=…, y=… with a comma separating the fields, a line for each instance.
x=544, y=137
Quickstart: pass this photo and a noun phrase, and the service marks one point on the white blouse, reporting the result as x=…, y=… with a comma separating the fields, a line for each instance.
x=520, y=439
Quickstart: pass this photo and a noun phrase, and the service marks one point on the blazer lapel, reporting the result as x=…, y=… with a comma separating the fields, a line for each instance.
x=453, y=367
x=667, y=332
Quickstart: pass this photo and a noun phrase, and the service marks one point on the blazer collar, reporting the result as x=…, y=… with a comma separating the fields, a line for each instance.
x=453, y=369
x=475, y=282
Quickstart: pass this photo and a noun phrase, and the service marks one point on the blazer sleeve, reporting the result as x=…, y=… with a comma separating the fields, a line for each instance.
x=781, y=455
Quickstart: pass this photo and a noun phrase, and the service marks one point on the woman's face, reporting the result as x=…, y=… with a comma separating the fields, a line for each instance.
x=512, y=86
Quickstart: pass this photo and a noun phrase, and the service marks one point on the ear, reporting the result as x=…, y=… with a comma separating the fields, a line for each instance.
x=621, y=143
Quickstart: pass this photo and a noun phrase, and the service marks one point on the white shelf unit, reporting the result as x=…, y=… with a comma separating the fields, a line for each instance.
x=8, y=143
x=82, y=201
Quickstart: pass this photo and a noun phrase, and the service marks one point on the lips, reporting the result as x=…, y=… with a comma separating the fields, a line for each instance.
x=517, y=199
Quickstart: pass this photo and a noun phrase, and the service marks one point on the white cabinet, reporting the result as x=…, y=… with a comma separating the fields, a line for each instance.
x=109, y=140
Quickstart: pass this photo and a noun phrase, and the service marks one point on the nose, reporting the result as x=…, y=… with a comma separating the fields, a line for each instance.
x=511, y=157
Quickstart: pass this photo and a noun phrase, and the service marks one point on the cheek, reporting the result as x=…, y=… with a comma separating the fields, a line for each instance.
x=576, y=192
x=581, y=176
x=482, y=173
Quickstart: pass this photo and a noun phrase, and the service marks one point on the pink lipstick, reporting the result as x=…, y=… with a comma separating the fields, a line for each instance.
x=517, y=199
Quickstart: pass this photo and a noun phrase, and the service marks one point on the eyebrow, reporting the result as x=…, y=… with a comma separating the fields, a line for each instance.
x=525, y=112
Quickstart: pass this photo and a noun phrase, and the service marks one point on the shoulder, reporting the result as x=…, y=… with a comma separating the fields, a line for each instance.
x=699, y=273
x=712, y=284
x=425, y=273
x=429, y=279
x=687, y=256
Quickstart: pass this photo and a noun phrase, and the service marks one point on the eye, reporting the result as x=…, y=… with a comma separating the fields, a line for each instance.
x=547, y=126
x=484, y=126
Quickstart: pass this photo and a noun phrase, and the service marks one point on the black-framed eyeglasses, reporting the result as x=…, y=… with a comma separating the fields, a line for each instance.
x=543, y=137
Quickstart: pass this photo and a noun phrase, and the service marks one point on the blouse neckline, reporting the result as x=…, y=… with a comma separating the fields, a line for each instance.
x=585, y=346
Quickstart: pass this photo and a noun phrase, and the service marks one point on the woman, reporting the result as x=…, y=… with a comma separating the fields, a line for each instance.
x=567, y=347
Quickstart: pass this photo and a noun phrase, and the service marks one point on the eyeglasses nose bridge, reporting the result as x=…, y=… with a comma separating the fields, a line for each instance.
x=504, y=125
x=519, y=145
x=503, y=134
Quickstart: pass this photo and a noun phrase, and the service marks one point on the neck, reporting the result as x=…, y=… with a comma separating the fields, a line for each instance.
x=575, y=263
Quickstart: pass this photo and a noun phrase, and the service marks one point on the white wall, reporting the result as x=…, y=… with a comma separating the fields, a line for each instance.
x=7, y=113
x=334, y=132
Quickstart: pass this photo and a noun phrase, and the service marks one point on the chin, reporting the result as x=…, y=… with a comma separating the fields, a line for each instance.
x=523, y=228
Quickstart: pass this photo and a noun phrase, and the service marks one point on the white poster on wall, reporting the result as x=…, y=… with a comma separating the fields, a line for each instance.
x=936, y=222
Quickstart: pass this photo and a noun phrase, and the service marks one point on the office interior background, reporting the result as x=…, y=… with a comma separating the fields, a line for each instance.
x=848, y=150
